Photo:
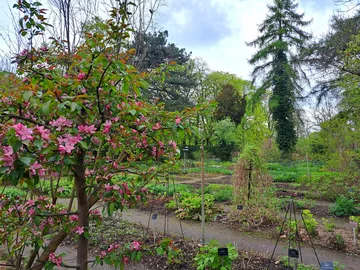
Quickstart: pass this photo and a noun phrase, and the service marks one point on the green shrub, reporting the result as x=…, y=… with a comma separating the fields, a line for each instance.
x=190, y=207
x=221, y=193
x=339, y=242
x=285, y=261
x=162, y=189
x=329, y=225
x=13, y=192
x=287, y=177
x=172, y=253
x=343, y=207
x=310, y=222
x=208, y=257
x=329, y=186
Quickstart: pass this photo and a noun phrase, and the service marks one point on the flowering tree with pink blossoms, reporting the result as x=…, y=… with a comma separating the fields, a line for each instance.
x=79, y=116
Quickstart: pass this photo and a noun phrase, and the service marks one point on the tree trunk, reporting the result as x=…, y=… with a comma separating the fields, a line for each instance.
x=54, y=243
x=83, y=209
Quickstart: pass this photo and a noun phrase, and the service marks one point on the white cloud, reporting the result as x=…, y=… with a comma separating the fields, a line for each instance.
x=181, y=18
x=228, y=52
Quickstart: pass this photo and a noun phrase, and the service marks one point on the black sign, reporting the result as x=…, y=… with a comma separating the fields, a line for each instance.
x=223, y=252
x=186, y=148
x=326, y=266
x=154, y=217
x=239, y=207
x=293, y=253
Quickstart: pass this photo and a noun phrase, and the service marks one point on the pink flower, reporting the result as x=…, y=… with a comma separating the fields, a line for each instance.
x=67, y=143
x=154, y=151
x=30, y=203
x=156, y=126
x=177, y=120
x=81, y=76
x=55, y=260
x=107, y=126
x=135, y=245
x=79, y=230
x=60, y=123
x=22, y=132
x=31, y=211
x=43, y=132
x=102, y=254
x=108, y=187
x=24, y=52
x=95, y=140
x=74, y=218
x=36, y=168
x=95, y=212
x=87, y=129
x=26, y=79
x=161, y=144
x=172, y=144
x=126, y=260
x=8, y=156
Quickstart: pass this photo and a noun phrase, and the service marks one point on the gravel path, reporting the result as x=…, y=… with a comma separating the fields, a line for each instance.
x=241, y=240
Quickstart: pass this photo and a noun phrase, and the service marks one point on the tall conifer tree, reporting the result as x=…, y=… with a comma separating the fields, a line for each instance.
x=280, y=41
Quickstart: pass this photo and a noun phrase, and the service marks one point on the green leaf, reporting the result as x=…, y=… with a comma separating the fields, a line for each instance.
x=111, y=208
x=74, y=106
x=38, y=144
x=68, y=161
x=15, y=144
x=133, y=112
x=27, y=95
x=25, y=160
x=83, y=144
x=46, y=108
x=50, y=84
x=159, y=251
x=87, y=235
x=126, y=88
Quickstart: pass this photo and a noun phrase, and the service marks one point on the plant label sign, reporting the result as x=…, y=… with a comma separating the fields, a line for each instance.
x=293, y=253
x=326, y=266
x=154, y=216
x=223, y=252
x=239, y=207
x=353, y=224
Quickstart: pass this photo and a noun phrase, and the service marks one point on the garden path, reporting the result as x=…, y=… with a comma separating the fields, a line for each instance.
x=243, y=241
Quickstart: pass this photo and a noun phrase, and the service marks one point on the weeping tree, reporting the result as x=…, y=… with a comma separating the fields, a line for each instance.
x=278, y=66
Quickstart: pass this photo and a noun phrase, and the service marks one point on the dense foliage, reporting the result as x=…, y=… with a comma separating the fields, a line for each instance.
x=281, y=37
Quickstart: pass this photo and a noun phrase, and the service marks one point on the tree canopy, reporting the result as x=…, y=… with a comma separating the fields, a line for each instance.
x=278, y=66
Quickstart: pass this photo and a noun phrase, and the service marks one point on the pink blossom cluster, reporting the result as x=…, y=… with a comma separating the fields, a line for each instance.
x=44, y=133
x=5, y=100
x=8, y=156
x=107, y=126
x=178, y=120
x=60, y=123
x=36, y=169
x=87, y=129
x=172, y=144
x=156, y=126
x=79, y=230
x=23, y=132
x=55, y=260
x=135, y=245
x=81, y=76
x=68, y=142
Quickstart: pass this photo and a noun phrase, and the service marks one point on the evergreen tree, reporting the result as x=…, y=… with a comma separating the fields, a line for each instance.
x=280, y=41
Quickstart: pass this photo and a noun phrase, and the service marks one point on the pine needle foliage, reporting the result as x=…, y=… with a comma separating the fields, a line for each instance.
x=278, y=66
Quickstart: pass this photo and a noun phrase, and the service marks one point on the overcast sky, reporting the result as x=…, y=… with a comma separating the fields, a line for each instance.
x=216, y=30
